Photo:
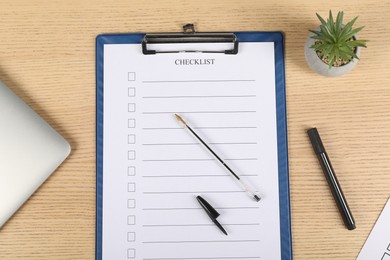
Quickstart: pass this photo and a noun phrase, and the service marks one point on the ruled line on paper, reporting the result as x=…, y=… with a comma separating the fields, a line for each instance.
x=196, y=159
x=177, y=192
x=206, y=258
x=242, y=159
x=223, y=208
x=200, y=127
x=199, y=225
x=197, y=143
x=199, y=81
x=195, y=175
x=201, y=241
x=211, y=96
x=177, y=160
x=198, y=112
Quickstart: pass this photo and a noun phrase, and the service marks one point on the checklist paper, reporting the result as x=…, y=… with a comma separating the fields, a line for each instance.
x=153, y=169
x=377, y=245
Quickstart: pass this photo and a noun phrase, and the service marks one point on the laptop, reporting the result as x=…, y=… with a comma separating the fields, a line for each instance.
x=30, y=150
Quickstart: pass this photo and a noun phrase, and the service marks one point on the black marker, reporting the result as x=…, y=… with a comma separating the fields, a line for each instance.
x=211, y=212
x=330, y=175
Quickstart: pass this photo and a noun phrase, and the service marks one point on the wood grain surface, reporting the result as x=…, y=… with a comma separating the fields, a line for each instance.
x=47, y=56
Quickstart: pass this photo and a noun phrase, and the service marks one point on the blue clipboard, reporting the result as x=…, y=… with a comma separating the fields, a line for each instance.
x=139, y=38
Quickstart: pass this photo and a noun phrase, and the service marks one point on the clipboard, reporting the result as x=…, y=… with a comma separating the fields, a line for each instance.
x=234, y=40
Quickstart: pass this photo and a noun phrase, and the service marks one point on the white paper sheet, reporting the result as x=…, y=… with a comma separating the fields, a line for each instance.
x=153, y=168
x=377, y=245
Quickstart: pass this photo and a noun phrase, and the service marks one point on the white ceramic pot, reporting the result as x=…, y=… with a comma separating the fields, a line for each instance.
x=316, y=64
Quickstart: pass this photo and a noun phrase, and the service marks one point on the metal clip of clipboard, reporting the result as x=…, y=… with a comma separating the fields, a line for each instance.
x=190, y=36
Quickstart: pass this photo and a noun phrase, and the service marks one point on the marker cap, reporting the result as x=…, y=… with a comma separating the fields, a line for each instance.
x=315, y=140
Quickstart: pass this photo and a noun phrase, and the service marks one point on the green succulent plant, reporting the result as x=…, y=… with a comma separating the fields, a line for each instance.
x=335, y=43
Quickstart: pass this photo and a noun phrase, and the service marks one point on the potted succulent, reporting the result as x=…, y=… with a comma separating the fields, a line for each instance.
x=333, y=48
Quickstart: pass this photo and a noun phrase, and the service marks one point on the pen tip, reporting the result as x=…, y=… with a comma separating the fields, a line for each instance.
x=257, y=198
x=180, y=119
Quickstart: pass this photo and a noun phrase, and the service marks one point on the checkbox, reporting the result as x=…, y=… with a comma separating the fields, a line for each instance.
x=131, y=76
x=131, y=155
x=131, y=123
x=131, y=171
x=130, y=236
x=131, y=92
x=131, y=204
x=131, y=220
x=131, y=107
x=131, y=187
x=131, y=139
x=130, y=253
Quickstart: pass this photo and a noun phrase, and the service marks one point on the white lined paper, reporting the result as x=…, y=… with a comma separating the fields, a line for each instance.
x=162, y=168
x=377, y=245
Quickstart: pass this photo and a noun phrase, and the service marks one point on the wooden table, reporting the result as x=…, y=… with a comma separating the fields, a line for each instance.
x=47, y=56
